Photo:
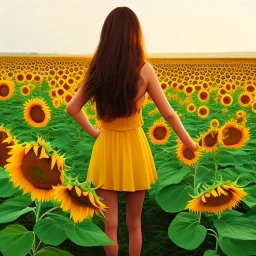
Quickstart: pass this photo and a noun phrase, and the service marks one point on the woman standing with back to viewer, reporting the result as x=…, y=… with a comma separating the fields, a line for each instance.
x=117, y=79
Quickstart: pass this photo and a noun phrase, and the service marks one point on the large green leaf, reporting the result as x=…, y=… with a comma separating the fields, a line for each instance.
x=233, y=157
x=204, y=175
x=51, y=229
x=13, y=208
x=241, y=228
x=211, y=253
x=51, y=251
x=16, y=240
x=250, y=199
x=174, y=198
x=86, y=234
x=233, y=247
x=186, y=232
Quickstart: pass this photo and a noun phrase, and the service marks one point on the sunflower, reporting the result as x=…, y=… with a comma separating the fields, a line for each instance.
x=254, y=106
x=38, y=79
x=224, y=110
x=233, y=135
x=25, y=90
x=81, y=204
x=185, y=155
x=6, y=140
x=250, y=88
x=241, y=117
x=56, y=102
x=189, y=90
x=29, y=77
x=226, y=100
x=36, y=112
x=67, y=97
x=6, y=90
x=159, y=133
x=245, y=99
x=153, y=112
x=210, y=140
x=191, y=108
x=20, y=77
x=35, y=167
x=60, y=92
x=31, y=86
x=203, y=111
x=164, y=86
x=222, y=91
x=217, y=198
x=214, y=123
x=203, y=95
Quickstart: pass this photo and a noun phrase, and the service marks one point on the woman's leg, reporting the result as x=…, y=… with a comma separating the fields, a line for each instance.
x=110, y=199
x=134, y=203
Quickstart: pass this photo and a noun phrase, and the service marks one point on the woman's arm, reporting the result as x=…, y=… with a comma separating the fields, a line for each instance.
x=155, y=91
x=74, y=109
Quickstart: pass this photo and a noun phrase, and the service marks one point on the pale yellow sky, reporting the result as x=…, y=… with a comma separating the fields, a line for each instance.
x=73, y=26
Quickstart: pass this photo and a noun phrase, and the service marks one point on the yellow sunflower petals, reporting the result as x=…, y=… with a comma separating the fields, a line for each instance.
x=43, y=154
x=207, y=195
x=221, y=191
x=85, y=193
x=7, y=140
x=91, y=197
x=54, y=159
x=35, y=148
x=203, y=199
x=27, y=148
x=78, y=191
x=214, y=193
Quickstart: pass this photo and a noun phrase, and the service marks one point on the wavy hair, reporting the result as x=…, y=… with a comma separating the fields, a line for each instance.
x=114, y=71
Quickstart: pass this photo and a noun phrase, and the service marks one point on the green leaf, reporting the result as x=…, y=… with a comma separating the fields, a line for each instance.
x=168, y=175
x=186, y=232
x=174, y=198
x=16, y=240
x=250, y=199
x=6, y=186
x=86, y=234
x=233, y=157
x=211, y=253
x=13, y=208
x=51, y=230
x=51, y=251
x=204, y=175
x=235, y=247
x=236, y=228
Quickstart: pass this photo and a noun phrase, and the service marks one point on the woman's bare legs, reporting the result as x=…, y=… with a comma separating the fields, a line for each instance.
x=111, y=222
x=134, y=203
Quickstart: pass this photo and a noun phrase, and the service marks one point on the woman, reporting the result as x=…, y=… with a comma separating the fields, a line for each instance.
x=117, y=79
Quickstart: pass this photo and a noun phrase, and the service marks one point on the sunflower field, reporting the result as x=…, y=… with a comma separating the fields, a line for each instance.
x=203, y=203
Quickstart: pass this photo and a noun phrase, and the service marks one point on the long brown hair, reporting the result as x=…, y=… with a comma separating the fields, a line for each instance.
x=113, y=73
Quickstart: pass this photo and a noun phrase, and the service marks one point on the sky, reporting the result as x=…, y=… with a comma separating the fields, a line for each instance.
x=169, y=26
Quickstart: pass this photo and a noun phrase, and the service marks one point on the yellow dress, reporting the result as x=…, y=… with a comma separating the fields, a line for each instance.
x=121, y=158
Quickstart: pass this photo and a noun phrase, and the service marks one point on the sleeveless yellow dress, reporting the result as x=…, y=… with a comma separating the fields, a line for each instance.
x=121, y=158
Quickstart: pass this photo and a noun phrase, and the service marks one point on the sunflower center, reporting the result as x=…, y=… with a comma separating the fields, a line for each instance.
x=189, y=89
x=233, y=136
x=38, y=171
x=80, y=200
x=203, y=111
x=188, y=154
x=226, y=99
x=245, y=99
x=191, y=107
x=29, y=77
x=4, y=90
x=20, y=77
x=203, y=95
x=37, y=114
x=25, y=90
x=219, y=200
x=211, y=139
x=164, y=86
x=160, y=133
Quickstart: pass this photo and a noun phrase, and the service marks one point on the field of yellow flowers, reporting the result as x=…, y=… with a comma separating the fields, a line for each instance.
x=44, y=157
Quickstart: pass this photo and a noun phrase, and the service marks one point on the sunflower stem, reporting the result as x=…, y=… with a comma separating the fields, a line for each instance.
x=214, y=233
x=38, y=245
x=38, y=209
x=195, y=177
x=48, y=212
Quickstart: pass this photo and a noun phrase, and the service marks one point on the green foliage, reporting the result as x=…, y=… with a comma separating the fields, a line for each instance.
x=13, y=208
x=16, y=240
x=51, y=251
x=186, y=232
x=6, y=187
